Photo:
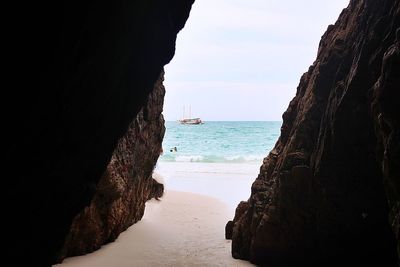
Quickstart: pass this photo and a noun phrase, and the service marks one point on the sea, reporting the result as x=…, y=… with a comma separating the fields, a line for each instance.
x=218, y=159
x=219, y=141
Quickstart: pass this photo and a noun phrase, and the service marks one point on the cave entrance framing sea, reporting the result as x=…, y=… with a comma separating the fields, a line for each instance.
x=87, y=82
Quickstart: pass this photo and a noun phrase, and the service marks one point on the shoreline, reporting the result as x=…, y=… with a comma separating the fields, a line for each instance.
x=227, y=182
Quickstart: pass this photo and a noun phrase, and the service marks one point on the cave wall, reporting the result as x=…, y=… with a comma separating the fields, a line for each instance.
x=127, y=183
x=78, y=72
x=328, y=193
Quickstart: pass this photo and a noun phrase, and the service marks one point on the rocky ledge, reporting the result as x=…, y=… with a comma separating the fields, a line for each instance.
x=127, y=183
x=78, y=73
x=329, y=192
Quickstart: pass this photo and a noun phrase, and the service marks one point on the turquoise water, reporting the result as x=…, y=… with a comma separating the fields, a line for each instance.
x=220, y=142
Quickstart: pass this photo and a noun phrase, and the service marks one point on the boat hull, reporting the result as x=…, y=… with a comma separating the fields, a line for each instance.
x=191, y=121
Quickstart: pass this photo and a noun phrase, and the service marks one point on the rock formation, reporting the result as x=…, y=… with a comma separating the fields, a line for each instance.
x=329, y=192
x=127, y=183
x=78, y=72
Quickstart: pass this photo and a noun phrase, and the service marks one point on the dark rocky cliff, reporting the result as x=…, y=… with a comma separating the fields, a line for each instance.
x=328, y=193
x=78, y=72
x=127, y=183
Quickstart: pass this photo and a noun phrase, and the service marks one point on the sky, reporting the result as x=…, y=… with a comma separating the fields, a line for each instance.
x=241, y=60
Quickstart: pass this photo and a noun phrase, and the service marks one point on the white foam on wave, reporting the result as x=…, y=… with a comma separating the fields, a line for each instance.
x=248, y=158
x=195, y=158
x=214, y=158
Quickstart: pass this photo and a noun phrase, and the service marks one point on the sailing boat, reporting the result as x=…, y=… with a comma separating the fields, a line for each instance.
x=190, y=120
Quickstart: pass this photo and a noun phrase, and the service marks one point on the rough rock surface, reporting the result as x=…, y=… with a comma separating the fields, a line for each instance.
x=127, y=183
x=328, y=193
x=77, y=74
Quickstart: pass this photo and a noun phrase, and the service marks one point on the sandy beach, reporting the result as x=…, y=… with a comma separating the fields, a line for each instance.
x=186, y=227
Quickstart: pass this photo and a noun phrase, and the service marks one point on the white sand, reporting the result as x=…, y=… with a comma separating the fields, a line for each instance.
x=229, y=183
x=184, y=228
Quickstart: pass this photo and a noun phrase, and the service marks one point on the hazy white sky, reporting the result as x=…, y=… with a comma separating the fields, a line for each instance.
x=241, y=59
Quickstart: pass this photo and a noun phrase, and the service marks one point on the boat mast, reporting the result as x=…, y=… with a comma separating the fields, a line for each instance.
x=183, y=114
x=190, y=112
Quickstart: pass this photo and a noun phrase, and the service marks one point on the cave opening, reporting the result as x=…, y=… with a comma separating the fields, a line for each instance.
x=236, y=67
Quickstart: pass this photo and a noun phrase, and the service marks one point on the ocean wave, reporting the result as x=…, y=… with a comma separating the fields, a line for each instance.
x=244, y=158
x=213, y=158
x=196, y=158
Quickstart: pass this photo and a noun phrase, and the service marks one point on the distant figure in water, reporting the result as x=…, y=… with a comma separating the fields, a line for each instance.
x=174, y=149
